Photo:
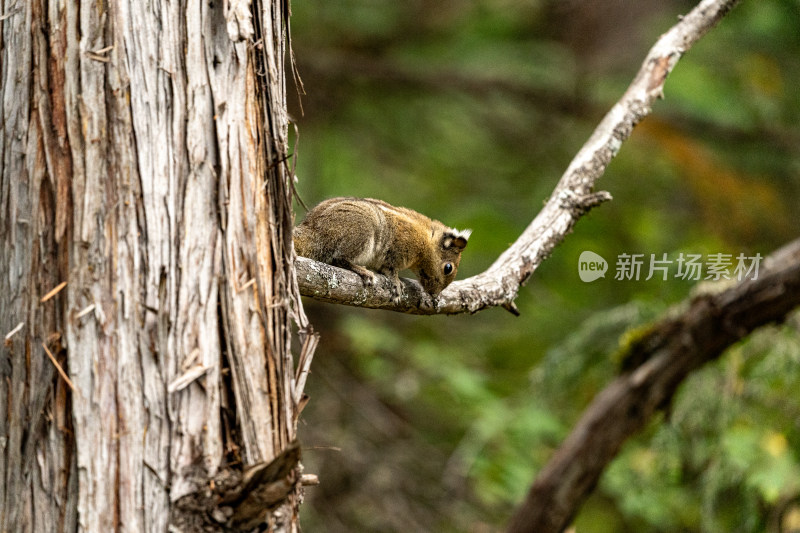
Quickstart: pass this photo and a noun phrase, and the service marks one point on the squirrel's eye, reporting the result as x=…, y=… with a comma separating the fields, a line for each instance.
x=448, y=269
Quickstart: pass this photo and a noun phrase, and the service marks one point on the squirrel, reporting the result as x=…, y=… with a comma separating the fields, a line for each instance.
x=360, y=234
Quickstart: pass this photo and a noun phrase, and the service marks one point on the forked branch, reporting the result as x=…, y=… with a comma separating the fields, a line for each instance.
x=573, y=197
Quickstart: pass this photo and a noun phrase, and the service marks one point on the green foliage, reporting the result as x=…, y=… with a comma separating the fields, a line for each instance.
x=469, y=112
x=726, y=452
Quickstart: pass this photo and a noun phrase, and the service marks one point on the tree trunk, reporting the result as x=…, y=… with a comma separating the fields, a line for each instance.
x=142, y=163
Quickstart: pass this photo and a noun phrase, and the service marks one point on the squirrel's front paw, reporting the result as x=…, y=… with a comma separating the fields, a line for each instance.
x=427, y=301
x=397, y=291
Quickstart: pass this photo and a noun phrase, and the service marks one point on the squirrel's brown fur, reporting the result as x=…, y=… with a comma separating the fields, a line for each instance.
x=362, y=234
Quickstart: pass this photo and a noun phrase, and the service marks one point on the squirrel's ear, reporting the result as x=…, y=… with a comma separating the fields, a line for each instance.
x=454, y=238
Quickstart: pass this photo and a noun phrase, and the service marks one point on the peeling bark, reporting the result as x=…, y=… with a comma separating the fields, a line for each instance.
x=136, y=156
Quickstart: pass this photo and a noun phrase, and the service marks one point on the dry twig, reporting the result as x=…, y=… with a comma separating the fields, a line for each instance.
x=59, y=368
x=53, y=292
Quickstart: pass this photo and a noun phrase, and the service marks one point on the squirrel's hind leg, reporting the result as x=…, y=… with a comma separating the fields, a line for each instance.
x=367, y=275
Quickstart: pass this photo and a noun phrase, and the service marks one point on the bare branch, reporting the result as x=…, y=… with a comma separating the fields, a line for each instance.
x=668, y=353
x=571, y=199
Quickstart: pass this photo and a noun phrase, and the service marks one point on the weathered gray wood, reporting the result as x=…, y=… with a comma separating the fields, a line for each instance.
x=34, y=451
x=135, y=164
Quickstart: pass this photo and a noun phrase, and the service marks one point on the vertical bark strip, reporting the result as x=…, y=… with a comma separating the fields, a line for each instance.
x=36, y=450
x=140, y=162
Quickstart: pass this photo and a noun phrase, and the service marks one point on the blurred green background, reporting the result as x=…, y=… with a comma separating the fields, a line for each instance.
x=469, y=112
